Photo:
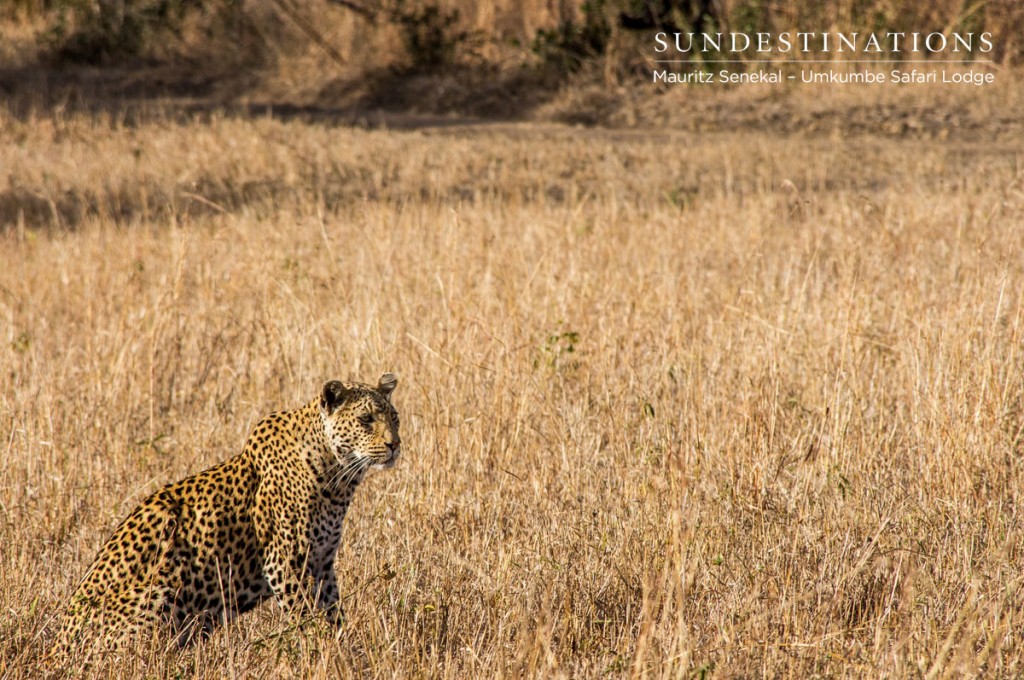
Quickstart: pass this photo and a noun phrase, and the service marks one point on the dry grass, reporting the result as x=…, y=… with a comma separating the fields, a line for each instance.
x=671, y=403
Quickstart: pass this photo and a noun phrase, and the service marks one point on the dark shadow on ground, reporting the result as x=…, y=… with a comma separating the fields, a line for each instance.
x=384, y=98
x=36, y=90
x=482, y=92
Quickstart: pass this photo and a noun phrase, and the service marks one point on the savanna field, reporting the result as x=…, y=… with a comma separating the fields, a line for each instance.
x=674, y=403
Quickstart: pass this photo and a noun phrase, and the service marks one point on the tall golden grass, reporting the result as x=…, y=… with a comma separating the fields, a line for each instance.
x=673, y=404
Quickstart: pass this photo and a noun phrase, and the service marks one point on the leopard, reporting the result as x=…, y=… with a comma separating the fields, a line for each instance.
x=265, y=523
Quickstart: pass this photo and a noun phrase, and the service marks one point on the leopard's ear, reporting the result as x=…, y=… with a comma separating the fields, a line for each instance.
x=334, y=393
x=387, y=384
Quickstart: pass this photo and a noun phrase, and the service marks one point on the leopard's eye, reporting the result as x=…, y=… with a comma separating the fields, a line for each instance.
x=366, y=418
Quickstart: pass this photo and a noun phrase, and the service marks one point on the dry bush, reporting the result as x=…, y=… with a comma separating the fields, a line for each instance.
x=672, y=403
x=300, y=39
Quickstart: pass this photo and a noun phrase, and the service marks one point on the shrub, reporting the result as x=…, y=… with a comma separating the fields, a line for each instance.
x=113, y=30
x=431, y=36
x=569, y=45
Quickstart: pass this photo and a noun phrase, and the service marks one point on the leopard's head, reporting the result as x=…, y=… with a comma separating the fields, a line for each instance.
x=360, y=424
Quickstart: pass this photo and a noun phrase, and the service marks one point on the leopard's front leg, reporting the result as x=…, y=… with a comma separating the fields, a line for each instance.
x=297, y=583
x=327, y=595
x=282, y=566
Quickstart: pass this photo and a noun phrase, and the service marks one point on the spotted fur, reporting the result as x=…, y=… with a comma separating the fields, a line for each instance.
x=266, y=522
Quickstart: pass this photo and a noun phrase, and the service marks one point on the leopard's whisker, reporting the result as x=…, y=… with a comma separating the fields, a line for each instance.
x=348, y=471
